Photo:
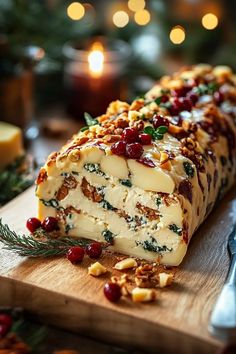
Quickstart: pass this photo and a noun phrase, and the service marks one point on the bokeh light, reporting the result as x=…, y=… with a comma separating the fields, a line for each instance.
x=177, y=35
x=120, y=19
x=142, y=17
x=210, y=21
x=136, y=5
x=75, y=11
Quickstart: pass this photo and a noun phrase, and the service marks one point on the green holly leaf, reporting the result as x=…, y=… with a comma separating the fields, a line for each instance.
x=162, y=129
x=158, y=100
x=149, y=130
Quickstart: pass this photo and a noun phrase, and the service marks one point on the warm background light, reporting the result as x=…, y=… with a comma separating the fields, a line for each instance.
x=177, y=35
x=136, y=5
x=210, y=21
x=120, y=19
x=142, y=17
x=96, y=60
x=75, y=11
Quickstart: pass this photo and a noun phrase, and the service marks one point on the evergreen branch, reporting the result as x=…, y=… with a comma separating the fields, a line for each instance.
x=17, y=177
x=30, y=247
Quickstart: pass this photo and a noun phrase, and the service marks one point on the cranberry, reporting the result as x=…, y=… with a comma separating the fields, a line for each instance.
x=218, y=97
x=147, y=162
x=180, y=92
x=134, y=150
x=164, y=98
x=3, y=330
x=33, y=224
x=75, y=254
x=158, y=120
x=185, y=189
x=186, y=104
x=6, y=320
x=145, y=139
x=130, y=135
x=94, y=250
x=50, y=224
x=118, y=148
x=112, y=292
x=193, y=97
x=176, y=107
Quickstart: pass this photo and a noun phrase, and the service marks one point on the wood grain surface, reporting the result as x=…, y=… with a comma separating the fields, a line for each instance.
x=62, y=294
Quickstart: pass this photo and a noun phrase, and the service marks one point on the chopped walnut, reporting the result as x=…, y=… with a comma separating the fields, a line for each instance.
x=139, y=124
x=117, y=107
x=136, y=105
x=90, y=191
x=42, y=176
x=68, y=183
x=150, y=213
x=146, y=276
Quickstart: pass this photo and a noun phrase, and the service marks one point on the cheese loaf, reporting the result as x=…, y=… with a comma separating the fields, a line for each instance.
x=145, y=175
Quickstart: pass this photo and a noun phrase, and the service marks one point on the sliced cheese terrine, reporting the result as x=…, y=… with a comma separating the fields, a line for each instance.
x=145, y=175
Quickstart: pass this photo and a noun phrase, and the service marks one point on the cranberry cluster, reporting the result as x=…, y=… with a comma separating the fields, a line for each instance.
x=76, y=254
x=49, y=224
x=184, y=100
x=131, y=145
x=5, y=324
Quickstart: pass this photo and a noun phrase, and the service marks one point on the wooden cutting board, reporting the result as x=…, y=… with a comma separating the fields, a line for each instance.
x=65, y=295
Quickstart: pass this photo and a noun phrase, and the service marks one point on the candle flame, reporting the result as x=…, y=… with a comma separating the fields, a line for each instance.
x=96, y=59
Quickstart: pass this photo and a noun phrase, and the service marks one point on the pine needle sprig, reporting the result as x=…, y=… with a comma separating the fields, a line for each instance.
x=29, y=247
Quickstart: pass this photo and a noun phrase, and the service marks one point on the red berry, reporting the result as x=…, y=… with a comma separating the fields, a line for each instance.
x=112, y=292
x=164, y=98
x=145, y=139
x=186, y=104
x=50, y=224
x=180, y=92
x=3, y=330
x=158, y=121
x=94, y=250
x=33, y=224
x=130, y=135
x=134, y=150
x=147, y=162
x=6, y=320
x=75, y=254
x=118, y=148
x=218, y=97
x=193, y=97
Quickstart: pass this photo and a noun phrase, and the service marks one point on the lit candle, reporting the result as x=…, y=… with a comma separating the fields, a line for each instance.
x=95, y=77
x=96, y=60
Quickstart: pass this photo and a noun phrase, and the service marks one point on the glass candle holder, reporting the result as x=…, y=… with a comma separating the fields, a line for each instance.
x=94, y=75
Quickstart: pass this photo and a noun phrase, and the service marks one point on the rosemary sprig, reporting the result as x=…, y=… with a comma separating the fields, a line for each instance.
x=30, y=247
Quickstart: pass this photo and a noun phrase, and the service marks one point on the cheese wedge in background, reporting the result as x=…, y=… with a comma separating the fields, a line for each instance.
x=11, y=145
